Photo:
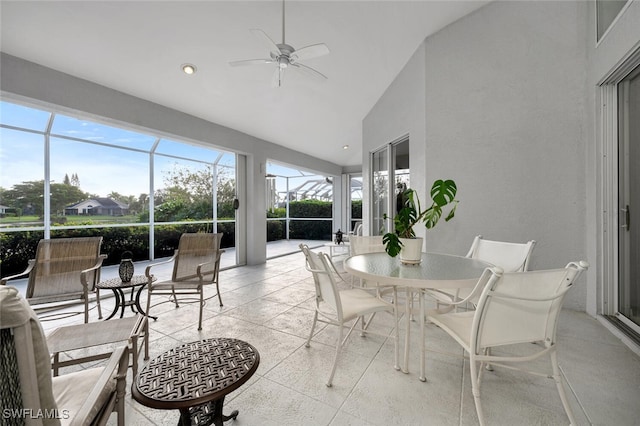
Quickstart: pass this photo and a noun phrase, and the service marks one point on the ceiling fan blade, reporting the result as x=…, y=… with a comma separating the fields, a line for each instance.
x=278, y=77
x=309, y=71
x=250, y=62
x=309, y=52
x=270, y=44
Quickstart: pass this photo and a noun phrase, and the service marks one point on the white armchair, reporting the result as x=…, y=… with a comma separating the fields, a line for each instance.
x=510, y=257
x=513, y=309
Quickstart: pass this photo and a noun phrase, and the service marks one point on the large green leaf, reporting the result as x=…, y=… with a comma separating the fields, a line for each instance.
x=452, y=212
x=392, y=244
x=443, y=192
x=432, y=216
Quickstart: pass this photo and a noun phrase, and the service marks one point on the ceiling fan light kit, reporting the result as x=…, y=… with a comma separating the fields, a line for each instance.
x=285, y=56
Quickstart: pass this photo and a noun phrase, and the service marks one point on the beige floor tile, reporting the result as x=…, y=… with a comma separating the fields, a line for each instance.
x=271, y=306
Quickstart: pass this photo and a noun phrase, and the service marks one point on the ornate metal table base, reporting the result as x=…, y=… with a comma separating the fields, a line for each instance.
x=208, y=414
x=117, y=285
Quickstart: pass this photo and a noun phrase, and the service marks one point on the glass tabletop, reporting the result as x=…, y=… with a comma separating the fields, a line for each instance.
x=436, y=270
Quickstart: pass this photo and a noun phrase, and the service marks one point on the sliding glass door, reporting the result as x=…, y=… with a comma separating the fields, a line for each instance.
x=629, y=199
x=389, y=177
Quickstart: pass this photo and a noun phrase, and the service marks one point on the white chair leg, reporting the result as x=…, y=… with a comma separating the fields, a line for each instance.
x=409, y=294
x=475, y=389
x=396, y=342
x=487, y=352
x=335, y=360
x=313, y=326
x=563, y=395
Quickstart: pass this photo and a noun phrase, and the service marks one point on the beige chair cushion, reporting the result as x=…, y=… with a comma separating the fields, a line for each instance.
x=15, y=312
x=72, y=390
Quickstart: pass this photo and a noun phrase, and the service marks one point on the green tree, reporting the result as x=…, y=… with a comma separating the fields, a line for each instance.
x=28, y=196
x=188, y=194
x=137, y=205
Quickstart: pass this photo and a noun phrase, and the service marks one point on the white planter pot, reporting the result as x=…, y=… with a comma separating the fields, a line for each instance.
x=411, y=252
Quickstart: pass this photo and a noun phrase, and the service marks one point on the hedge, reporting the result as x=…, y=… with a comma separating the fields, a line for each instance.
x=16, y=248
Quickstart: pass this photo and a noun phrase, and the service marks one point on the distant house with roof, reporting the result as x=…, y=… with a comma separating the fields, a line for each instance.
x=98, y=206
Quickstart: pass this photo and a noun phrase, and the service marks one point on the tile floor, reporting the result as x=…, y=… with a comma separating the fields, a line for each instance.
x=271, y=305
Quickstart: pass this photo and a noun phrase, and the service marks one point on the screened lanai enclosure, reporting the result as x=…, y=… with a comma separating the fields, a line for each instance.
x=300, y=204
x=68, y=176
x=63, y=175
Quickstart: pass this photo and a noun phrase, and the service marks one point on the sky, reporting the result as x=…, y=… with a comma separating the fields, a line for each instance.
x=101, y=169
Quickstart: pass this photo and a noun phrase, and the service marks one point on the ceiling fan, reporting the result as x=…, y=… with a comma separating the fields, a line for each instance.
x=285, y=56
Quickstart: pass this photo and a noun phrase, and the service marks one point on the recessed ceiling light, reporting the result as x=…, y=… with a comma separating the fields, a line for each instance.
x=345, y=147
x=189, y=69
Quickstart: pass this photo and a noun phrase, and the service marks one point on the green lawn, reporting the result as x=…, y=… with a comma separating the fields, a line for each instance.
x=72, y=220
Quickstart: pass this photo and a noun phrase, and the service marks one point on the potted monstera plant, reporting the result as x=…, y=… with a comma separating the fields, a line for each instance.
x=403, y=240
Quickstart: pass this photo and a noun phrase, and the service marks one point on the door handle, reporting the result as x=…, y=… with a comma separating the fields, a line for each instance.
x=627, y=217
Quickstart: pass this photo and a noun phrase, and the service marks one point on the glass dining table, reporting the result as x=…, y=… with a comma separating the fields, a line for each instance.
x=435, y=271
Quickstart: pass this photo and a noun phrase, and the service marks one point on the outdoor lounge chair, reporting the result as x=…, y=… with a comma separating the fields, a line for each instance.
x=28, y=392
x=196, y=263
x=64, y=272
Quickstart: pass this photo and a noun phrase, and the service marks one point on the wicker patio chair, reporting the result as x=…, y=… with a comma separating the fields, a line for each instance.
x=30, y=395
x=196, y=263
x=64, y=272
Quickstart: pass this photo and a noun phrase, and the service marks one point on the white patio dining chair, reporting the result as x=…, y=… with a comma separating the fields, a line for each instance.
x=359, y=244
x=374, y=244
x=510, y=257
x=340, y=307
x=513, y=309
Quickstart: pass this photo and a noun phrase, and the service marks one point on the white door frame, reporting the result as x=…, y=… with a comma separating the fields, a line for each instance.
x=609, y=209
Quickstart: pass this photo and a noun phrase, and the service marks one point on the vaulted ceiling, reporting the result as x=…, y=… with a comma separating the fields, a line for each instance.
x=139, y=47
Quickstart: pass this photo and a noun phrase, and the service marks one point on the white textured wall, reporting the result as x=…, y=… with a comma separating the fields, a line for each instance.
x=399, y=112
x=504, y=115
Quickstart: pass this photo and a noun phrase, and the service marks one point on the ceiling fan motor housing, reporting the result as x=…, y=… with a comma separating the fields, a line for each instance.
x=284, y=59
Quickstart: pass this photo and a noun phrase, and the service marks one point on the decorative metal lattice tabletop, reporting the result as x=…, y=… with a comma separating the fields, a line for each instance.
x=196, y=377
